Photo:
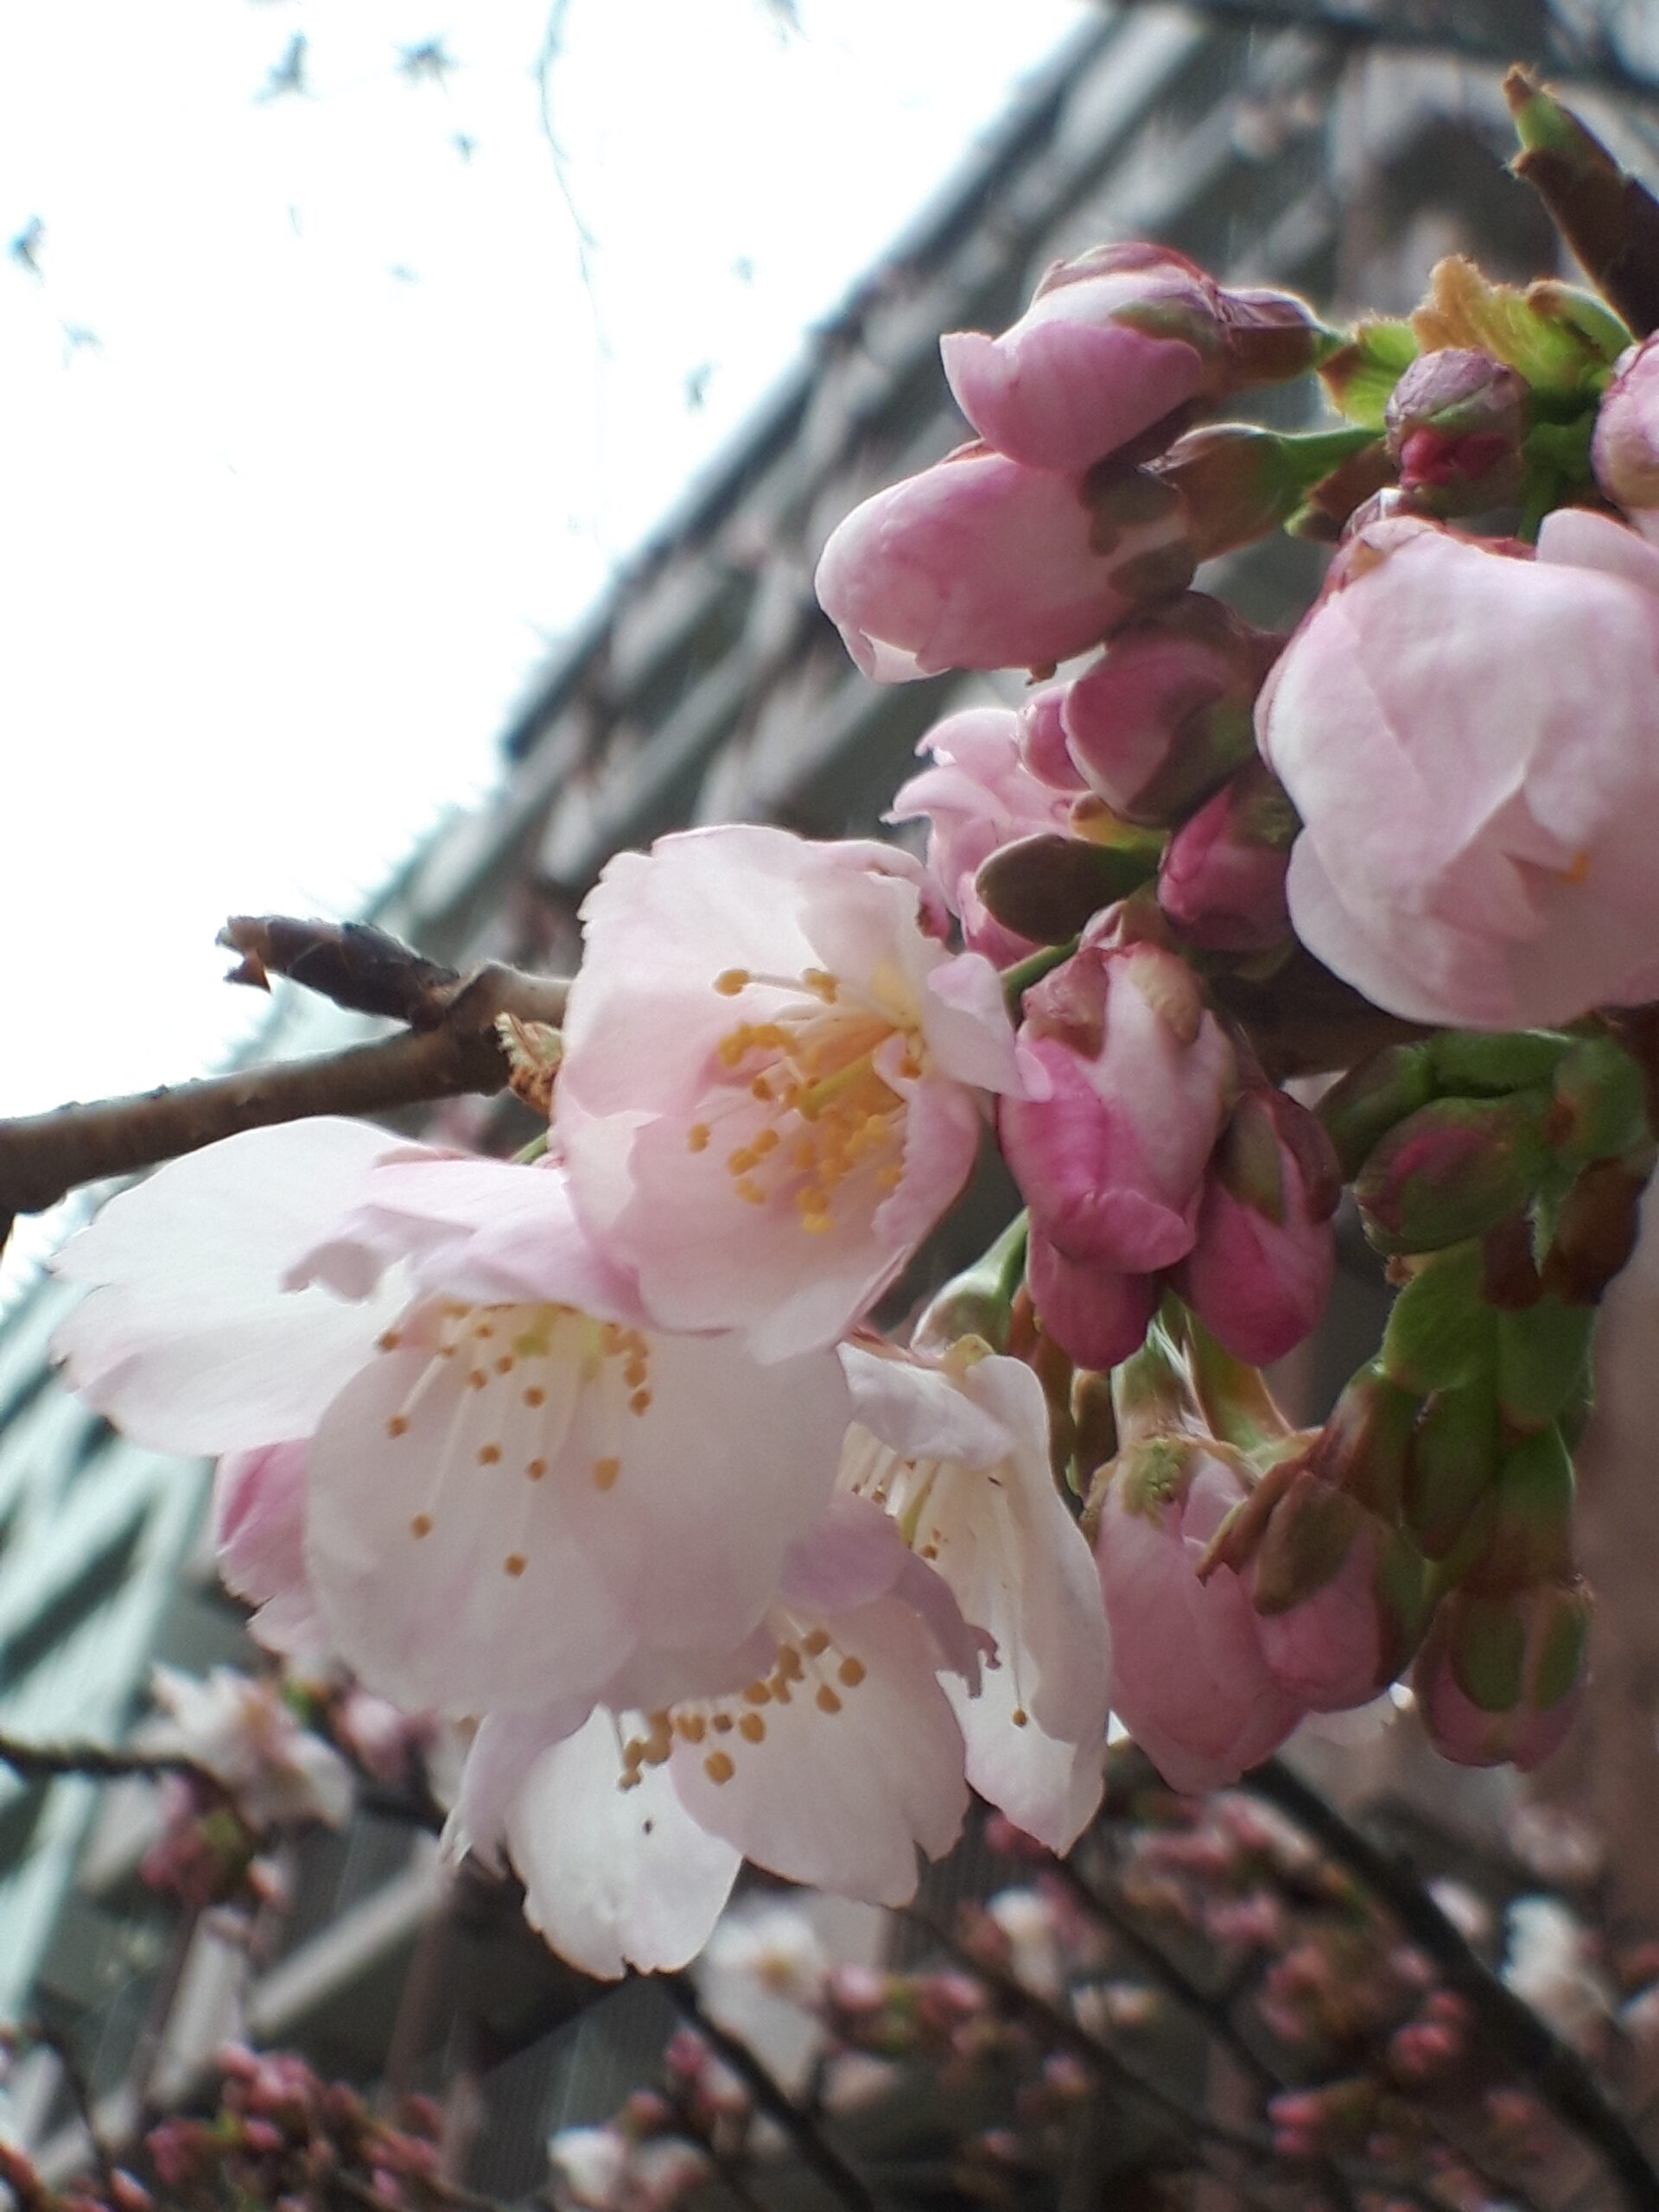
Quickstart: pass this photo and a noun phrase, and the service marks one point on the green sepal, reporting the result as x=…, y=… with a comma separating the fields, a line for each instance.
x=1452, y=1465
x=1439, y=1333
x=1600, y=1103
x=1542, y=1353
x=1453, y=1169
x=1363, y=1106
x=1495, y=1061
x=1360, y=377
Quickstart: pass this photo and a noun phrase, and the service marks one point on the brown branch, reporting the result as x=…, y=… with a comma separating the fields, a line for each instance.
x=1559, y=2075
x=101, y=1762
x=455, y=1050
x=816, y=2153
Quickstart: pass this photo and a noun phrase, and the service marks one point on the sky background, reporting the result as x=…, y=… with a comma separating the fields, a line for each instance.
x=322, y=427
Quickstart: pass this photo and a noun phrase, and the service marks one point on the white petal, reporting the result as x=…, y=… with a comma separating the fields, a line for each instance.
x=615, y=1878
x=841, y=1798
x=188, y=1339
x=448, y=1581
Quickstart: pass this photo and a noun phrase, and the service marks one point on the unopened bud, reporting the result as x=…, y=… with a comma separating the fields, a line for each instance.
x=1363, y=1106
x=1600, y=1103
x=1596, y=1227
x=1496, y=1060
x=1223, y=878
x=1455, y=422
x=1543, y=1351
x=1450, y=1464
x=1528, y=1537
x=1498, y=1678
x=1166, y=715
x=1452, y=1170
x=1610, y=221
x=977, y=1302
x=1440, y=1330
x=1049, y=887
x=1237, y=483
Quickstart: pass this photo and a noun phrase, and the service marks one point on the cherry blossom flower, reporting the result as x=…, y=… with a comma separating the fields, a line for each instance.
x=237, y=1727
x=958, y=1453
x=773, y=1078
x=510, y=1481
x=978, y=795
x=1468, y=737
x=823, y=1749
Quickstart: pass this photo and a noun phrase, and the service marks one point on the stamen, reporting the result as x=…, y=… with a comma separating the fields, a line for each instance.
x=718, y=1766
x=752, y=1728
x=605, y=1473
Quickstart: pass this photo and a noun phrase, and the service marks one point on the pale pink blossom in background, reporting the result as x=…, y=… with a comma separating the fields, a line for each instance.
x=977, y=563
x=774, y=1078
x=259, y=1541
x=976, y=796
x=239, y=1729
x=1472, y=740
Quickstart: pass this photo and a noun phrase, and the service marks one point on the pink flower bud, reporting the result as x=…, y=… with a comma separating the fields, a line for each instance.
x=1042, y=738
x=978, y=562
x=1455, y=422
x=1096, y=1314
x=1130, y=1076
x=1260, y=1270
x=1223, y=879
x=1625, y=453
x=1165, y=716
x=976, y=798
x=1499, y=1677
x=1113, y=343
x=1468, y=738
x=1190, y=1682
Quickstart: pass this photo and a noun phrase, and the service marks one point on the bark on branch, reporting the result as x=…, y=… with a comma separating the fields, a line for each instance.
x=452, y=1046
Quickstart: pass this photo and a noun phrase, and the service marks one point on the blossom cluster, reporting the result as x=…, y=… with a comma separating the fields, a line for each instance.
x=602, y=1455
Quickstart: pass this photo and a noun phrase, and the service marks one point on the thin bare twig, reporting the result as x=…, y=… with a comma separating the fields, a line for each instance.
x=843, y=2180
x=452, y=1047
x=100, y=1763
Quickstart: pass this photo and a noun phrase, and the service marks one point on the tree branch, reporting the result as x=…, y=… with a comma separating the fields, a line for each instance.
x=1557, y=2072
x=452, y=1047
x=843, y=2180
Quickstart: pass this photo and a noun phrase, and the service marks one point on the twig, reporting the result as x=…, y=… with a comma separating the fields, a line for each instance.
x=1560, y=2075
x=101, y=1762
x=843, y=2180
x=44, y=1156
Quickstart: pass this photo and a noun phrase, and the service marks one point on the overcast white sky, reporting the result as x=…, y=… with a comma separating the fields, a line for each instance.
x=314, y=441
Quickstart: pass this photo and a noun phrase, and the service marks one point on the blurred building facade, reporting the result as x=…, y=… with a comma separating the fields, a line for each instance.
x=1340, y=148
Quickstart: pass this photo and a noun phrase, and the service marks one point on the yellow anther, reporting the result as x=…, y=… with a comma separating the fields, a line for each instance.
x=514, y=1564
x=722, y=1724
x=816, y=1643
x=421, y=1525
x=1576, y=870
x=828, y=1701
x=697, y=1135
x=765, y=1142
x=691, y=1725
x=822, y=984
x=535, y=1395
x=749, y=1191
x=851, y=1671
x=605, y=1473
x=639, y=1402
x=789, y=1662
x=756, y=1693
x=389, y=1341
x=760, y=1089
x=488, y=1454
x=731, y=980
x=477, y=1379
x=1019, y=1716
x=398, y=1425
x=740, y=1161
x=535, y=1469
x=718, y=1766
x=752, y=1728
